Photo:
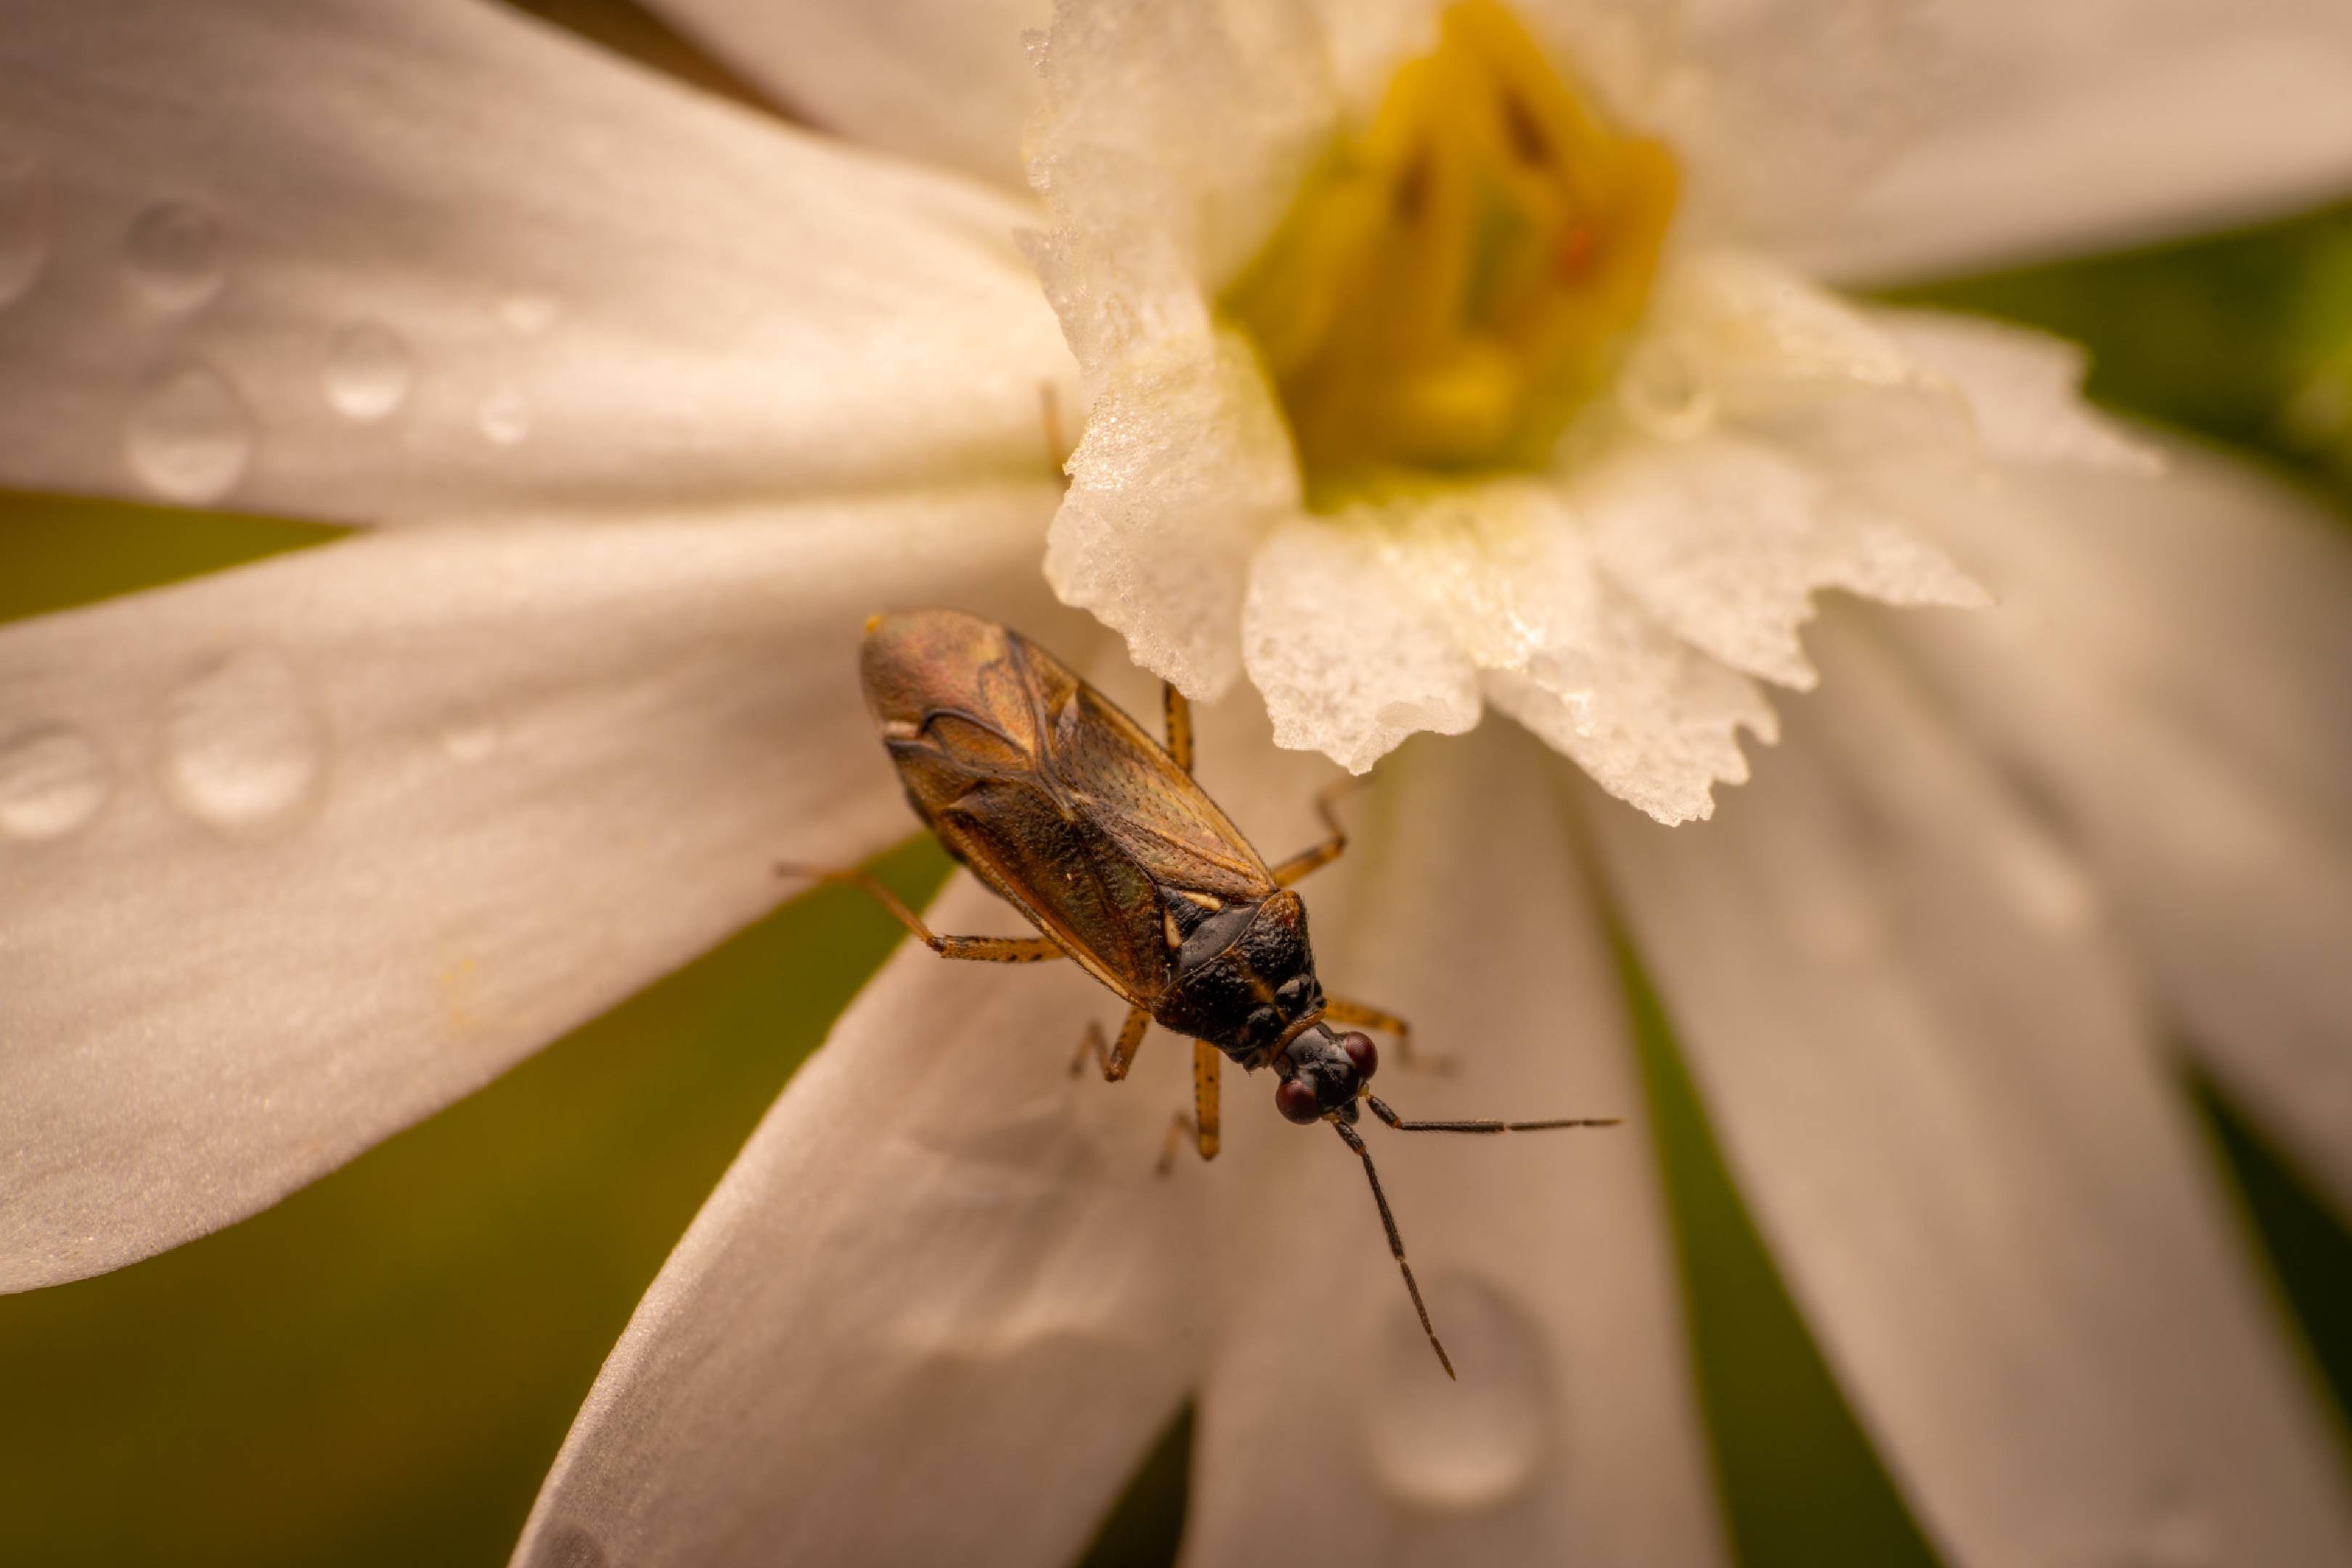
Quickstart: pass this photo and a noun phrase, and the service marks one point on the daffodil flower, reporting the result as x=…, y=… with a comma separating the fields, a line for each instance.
x=1420, y=360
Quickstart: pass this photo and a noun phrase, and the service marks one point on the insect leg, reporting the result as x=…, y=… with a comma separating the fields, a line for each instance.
x=1317, y=856
x=1117, y=1058
x=1396, y=1241
x=1338, y=1011
x=1200, y=1127
x=1179, y=710
x=987, y=949
x=1381, y=1109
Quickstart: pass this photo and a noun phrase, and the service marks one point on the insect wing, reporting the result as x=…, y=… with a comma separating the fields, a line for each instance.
x=965, y=707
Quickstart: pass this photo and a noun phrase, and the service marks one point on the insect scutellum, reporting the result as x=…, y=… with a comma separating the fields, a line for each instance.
x=1069, y=811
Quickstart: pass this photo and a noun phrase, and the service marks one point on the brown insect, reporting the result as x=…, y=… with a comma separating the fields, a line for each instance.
x=1097, y=834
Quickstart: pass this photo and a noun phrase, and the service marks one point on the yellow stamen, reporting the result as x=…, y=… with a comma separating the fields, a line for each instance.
x=1459, y=277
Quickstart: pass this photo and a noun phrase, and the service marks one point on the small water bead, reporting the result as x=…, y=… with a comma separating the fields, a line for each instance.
x=470, y=740
x=191, y=437
x=173, y=255
x=568, y=1546
x=23, y=224
x=52, y=781
x=243, y=748
x=506, y=417
x=527, y=315
x=1466, y=1445
x=369, y=372
x=1663, y=391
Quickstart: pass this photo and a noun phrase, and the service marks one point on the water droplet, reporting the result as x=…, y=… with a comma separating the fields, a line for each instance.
x=368, y=372
x=506, y=417
x=243, y=749
x=527, y=315
x=52, y=780
x=1663, y=390
x=470, y=740
x=173, y=256
x=1465, y=1444
x=568, y=1546
x=191, y=437
x=23, y=223
x=2180, y=1537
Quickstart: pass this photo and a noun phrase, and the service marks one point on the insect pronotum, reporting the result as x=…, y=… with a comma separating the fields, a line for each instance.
x=1077, y=817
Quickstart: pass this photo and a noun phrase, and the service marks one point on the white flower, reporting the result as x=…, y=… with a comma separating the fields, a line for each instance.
x=296, y=855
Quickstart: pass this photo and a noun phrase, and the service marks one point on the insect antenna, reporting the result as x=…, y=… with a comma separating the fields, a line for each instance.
x=1396, y=1242
x=1381, y=1109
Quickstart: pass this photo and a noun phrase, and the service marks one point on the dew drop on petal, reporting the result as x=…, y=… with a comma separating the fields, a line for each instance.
x=242, y=746
x=191, y=437
x=1468, y=1444
x=504, y=417
x=52, y=781
x=23, y=224
x=369, y=372
x=527, y=315
x=1663, y=391
x=172, y=256
x=470, y=741
x=568, y=1546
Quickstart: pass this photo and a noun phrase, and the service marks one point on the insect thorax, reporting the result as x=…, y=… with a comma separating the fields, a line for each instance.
x=1243, y=976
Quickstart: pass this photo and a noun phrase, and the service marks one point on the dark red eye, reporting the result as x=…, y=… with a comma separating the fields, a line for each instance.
x=1296, y=1101
x=1362, y=1052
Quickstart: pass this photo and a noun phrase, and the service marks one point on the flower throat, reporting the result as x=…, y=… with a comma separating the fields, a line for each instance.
x=1456, y=280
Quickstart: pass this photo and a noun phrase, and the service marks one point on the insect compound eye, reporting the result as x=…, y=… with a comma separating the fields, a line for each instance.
x=1361, y=1052
x=1295, y=1100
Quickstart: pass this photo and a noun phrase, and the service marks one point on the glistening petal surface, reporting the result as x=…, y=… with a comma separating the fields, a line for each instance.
x=1573, y=1434
x=1869, y=141
x=366, y=263
x=294, y=855
x=947, y=81
x=2169, y=675
x=1952, y=1117
x=935, y=1312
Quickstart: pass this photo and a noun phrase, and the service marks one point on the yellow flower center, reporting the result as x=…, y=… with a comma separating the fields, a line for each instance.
x=1457, y=279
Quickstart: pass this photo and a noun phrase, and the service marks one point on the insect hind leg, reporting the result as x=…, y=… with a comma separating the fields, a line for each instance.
x=1114, y=1059
x=984, y=949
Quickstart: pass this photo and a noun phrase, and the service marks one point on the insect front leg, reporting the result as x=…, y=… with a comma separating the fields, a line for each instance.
x=1179, y=710
x=1200, y=1127
x=1339, y=1012
x=1317, y=856
x=986, y=949
x=1115, y=1059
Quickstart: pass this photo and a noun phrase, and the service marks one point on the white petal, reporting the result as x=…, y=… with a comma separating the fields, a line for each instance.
x=935, y=1312
x=1861, y=139
x=1726, y=542
x=2168, y=673
x=2023, y=388
x=369, y=262
x=945, y=81
x=1327, y=1433
x=1184, y=465
x=1349, y=659
x=942, y=1303
x=1654, y=720
x=294, y=855
x=1961, y=1137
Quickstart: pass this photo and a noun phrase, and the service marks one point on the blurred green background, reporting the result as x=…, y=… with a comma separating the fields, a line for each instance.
x=379, y=1369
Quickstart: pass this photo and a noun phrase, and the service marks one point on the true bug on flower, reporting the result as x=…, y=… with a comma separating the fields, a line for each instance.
x=1073, y=815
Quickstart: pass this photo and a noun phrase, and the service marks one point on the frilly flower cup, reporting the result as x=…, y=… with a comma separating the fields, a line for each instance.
x=1421, y=360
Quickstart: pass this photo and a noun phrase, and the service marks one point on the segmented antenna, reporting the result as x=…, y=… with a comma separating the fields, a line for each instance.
x=1381, y=1109
x=1396, y=1243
